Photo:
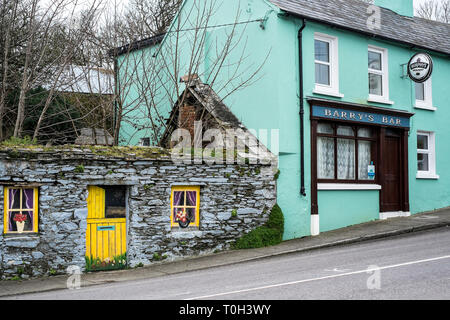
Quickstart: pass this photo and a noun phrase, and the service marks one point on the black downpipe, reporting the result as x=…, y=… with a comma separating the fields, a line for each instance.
x=302, y=111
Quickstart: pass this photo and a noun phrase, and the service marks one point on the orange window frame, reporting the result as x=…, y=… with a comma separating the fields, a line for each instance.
x=7, y=210
x=197, y=206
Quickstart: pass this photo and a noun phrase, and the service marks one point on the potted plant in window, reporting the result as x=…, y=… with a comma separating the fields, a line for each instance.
x=20, y=221
x=183, y=219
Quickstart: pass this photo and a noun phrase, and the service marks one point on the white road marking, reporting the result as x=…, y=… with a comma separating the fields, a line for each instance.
x=337, y=270
x=320, y=278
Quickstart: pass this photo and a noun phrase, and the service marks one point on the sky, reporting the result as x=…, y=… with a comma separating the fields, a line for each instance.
x=124, y=2
x=416, y=2
x=419, y=2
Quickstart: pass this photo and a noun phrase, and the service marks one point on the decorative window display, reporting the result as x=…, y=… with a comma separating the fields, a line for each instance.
x=21, y=210
x=185, y=204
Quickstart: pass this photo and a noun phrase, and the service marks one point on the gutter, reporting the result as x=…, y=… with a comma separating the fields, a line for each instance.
x=302, y=109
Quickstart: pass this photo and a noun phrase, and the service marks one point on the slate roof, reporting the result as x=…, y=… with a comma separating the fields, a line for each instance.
x=83, y=79
x=352, y=15
x=211, y=102
x=214, y=105
x=136, y=45
x=222, y=115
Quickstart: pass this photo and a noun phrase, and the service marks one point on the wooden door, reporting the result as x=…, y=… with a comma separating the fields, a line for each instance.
x=105, y=237
x=391, y=173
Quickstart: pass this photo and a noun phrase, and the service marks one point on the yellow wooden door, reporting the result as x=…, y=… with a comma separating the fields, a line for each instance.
x=105, y=237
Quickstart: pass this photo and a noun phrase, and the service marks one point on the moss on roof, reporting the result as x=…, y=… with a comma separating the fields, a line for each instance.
x=76, y=151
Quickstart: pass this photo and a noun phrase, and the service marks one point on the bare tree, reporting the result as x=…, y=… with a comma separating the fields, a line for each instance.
x=41, y=22
x=55, y=46
x=42, y=42
x=10, y=14
x=63, y=77
x=435, y=10
x=146, y=18
x=149, y=79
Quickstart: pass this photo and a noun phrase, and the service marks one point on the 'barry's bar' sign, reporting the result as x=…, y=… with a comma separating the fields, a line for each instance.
x=342, y=114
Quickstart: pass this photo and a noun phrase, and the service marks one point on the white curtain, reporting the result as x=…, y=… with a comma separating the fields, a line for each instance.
x=346, y=159
x=325, y=158
x=364, y=158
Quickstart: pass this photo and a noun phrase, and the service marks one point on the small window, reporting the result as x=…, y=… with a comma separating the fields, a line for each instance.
x=426, y=158
x=145, y=142
x=420, y=91
x=378, y=75
x=115, y=201
x=185, y=204
x=424, y=95
x=21, y=210
x=326, y=65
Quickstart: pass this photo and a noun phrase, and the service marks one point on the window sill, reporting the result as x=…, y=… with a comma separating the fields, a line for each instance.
x=23, y=235
x=189, y=233
x=425, y=107
x=30, y=240
x=326, y=92
x=429, y=176
x=347, y=186
x=381, y=100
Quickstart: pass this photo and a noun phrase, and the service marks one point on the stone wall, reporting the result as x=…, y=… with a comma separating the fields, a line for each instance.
x=234, y=199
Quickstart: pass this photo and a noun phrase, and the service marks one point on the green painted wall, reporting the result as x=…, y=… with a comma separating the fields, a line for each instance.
x=403, y=7
x=271, y=102
x=340, y=209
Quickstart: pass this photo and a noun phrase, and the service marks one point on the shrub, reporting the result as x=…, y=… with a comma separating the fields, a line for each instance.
x=19, y=142
x=267, y=235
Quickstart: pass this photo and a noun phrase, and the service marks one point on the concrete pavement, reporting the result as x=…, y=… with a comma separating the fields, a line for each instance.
x=353, y=234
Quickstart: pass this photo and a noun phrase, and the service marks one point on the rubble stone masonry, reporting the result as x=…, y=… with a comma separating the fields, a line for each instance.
x=234, y=199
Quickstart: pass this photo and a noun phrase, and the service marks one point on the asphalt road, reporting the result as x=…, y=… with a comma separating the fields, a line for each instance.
x=413, y=266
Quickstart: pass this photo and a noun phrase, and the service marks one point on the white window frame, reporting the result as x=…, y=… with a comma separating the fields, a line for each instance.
x=384, y=98
x=431, y=152
x=333, y=88
x=427, y=103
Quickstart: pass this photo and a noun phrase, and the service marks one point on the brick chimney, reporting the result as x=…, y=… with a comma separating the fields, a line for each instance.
x=186, y=118
x=187, y=112
x=401, y=7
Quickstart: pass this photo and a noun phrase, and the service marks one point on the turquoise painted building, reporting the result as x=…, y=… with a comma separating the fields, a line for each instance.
x=358, y=139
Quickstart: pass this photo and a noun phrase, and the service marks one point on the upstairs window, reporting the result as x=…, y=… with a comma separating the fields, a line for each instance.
x=424, y=95
x=378, y=75
x=326, y=65
x=21, y=210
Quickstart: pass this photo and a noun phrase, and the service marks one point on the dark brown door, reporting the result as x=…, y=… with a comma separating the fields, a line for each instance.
x=391, y=175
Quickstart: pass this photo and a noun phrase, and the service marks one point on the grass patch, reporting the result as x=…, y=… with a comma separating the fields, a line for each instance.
x=267, y=235
x=79, y=169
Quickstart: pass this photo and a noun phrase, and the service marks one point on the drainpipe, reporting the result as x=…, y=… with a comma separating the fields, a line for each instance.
x=302, y=110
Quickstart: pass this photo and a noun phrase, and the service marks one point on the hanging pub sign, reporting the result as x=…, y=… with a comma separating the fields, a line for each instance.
x=420, y=67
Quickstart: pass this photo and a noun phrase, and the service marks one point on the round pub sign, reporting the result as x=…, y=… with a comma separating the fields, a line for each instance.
x=420, y=67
